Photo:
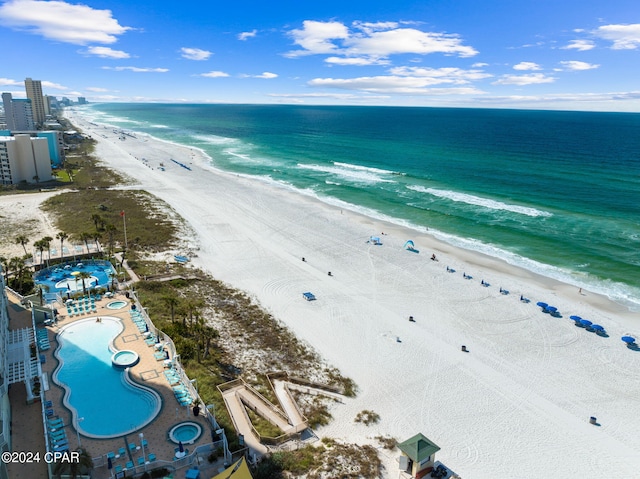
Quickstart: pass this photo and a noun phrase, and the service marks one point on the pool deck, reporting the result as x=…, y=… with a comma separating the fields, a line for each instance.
x=28, y=431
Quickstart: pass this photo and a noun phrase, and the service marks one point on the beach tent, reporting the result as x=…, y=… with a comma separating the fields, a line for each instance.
x=239, y=470
x=375, y=240
x=409, y=246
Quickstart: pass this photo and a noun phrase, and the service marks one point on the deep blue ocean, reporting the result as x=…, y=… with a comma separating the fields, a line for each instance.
x=554, y=192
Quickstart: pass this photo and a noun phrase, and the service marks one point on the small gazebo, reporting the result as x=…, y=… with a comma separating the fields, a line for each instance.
x=418, y=455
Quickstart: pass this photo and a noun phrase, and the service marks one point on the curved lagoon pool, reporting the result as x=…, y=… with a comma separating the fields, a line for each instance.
x=107, y=402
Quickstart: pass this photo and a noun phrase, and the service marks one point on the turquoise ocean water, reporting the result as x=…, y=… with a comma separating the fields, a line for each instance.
x=554, y=192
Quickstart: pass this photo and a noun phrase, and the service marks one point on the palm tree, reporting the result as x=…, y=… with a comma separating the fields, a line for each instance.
x=86, y=237
x=96, y=236
x=111, y=233
x=17, y=264
x=62, y=236
x=171, y=302
x=40, y=246
x=47, y=244
x=23, y=240
x=97, y=220
x=84, y=275
x=75, y=468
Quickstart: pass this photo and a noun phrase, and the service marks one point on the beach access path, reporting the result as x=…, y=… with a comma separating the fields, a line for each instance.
x=517, y=404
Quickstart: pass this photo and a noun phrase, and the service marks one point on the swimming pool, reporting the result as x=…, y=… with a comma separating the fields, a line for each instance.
x=103, y=400
x=64, y=278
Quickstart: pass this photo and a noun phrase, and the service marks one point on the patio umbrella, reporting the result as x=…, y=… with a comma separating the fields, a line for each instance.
x=109, y=463
x=628, y=339
x=146, y=328
x=180, y=447
x=575, y=317
x=166, y=354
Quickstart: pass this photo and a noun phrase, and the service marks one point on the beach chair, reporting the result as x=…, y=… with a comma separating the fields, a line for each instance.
x=111, y=455
x=118, y=468
x=129, y=465
x=159, y=356
x=151, y=457
x=132, y=446
x=121, y=452
x=141, y=461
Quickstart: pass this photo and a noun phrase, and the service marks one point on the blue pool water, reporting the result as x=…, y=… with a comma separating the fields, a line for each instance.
x=96, y=391
x=60, y=279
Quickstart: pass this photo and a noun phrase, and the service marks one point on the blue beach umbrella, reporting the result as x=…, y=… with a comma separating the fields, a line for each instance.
x=585, y=322
x=542, y=305
x=575, y=317
x=628, y=339
x=597, y=327
x=552, y=309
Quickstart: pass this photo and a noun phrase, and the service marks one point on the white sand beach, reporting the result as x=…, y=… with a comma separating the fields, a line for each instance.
x=517, y=405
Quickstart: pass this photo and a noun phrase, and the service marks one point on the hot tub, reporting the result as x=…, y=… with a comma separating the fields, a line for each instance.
x=116, y=305
x=185, y=432
x=125, y=359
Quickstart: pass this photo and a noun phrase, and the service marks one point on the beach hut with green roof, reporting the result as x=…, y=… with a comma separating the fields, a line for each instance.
x=418, y=455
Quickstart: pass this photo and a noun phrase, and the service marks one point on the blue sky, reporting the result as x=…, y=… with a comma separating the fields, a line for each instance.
x=557, y=54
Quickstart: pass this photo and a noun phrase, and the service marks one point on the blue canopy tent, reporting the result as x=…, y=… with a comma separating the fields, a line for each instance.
x=308, y=296
x=409, y=246
x=375, y=240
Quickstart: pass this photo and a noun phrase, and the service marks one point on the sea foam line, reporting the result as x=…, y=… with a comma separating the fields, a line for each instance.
x=363, y=168
x=479, y=201
x=352, y=174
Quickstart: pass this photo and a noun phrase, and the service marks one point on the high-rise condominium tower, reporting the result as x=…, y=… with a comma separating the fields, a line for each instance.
x=34, y=93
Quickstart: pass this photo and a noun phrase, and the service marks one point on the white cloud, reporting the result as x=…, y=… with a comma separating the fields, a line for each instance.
x=137, y=69
x=10, y=82
x=214, y=74
x=456, y=76
x=106, y=52
x=96, y=89
x=391, y=84
x=624, y=37
x=195, y=53
x=527, y=66
x=266, y=75
x=479, y=65
x=244, y=35
x=521, y=80
x=574, y=65
x=356, y=61
x=580, y=45
x=55, y=86
x=314, y=37
x=61, y=21
x=373, y=40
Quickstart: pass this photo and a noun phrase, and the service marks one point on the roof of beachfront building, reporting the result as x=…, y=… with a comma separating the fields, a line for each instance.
x=418, y=448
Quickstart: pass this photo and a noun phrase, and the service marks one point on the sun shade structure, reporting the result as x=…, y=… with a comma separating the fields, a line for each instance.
x=239, y=470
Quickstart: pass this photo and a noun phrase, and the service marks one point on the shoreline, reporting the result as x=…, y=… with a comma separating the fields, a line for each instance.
x=520, y=380
x=619, y=293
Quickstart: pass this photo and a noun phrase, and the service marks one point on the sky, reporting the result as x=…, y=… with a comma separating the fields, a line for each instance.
x=538, y=54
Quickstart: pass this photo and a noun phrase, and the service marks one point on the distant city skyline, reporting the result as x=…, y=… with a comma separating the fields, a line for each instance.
x=570, y=55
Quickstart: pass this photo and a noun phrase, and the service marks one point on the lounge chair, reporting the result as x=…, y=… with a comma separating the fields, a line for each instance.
x=111, y=455
x=132, y=446
x=129, y=465
x=141, y=461
x=118, y=468
x=121, y=452
x=151, y=457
